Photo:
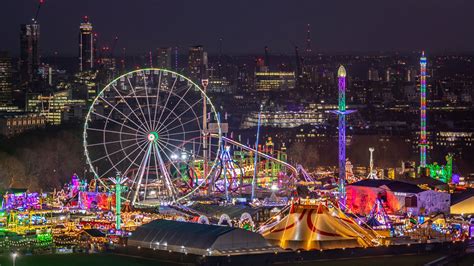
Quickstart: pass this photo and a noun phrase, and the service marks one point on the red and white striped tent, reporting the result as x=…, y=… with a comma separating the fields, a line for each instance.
x=318, y=226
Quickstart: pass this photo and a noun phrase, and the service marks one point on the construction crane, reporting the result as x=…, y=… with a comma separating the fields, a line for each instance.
x=299, y=70
x=114, y=44
x=40, y=3
x=267, y=57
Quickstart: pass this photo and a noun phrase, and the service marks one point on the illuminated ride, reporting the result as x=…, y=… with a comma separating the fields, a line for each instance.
x=148, y=125
x=235, y=171
x=232, y=176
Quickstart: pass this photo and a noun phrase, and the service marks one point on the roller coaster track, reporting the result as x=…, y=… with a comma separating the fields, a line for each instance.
x=264, y=155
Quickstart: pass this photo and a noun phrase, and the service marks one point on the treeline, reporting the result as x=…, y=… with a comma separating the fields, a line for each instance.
x=41, y=159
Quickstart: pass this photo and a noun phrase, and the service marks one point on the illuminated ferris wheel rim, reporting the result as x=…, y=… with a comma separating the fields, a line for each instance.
x=152, y=135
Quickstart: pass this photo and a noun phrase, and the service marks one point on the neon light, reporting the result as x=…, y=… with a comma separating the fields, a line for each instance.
x=443, y=173
x=342, y=112
x=254, y=180
x=423, y=142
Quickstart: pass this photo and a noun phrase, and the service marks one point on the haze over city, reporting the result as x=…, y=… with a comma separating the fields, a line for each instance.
x=246, y=26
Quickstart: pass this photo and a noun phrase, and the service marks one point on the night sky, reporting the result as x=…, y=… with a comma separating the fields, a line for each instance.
x=246, y=26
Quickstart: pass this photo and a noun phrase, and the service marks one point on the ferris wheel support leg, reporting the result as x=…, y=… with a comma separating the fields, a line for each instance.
x=165, y=172
x=141, y=173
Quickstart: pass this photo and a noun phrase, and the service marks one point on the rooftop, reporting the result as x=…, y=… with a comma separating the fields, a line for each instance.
x=393, y=185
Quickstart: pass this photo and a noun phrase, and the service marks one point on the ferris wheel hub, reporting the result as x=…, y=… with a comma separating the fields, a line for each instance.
x=153, y=136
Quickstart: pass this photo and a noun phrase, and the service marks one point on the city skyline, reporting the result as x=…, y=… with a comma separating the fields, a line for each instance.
x=359, y=27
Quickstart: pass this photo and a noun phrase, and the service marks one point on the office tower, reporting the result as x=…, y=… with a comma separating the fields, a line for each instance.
x=373, y=74
x=164, y=58
x=308, y=49
x=5, y=79
x=275, y=81
x=197, y=63
x=29, y=51
x=86, y=46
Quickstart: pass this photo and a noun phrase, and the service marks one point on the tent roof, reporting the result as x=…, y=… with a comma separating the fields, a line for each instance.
x=191, y=235
x=393, y=185
x=458, y=197
x=310, y=227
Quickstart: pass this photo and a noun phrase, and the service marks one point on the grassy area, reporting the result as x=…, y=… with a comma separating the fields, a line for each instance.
x=116, y=260
x=79, y=260
x=467, y=260
x=385, y=261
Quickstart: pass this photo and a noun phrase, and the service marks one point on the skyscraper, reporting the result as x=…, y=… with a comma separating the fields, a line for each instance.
x=197, y=63
x=164, y=57
x=308, y=49
x=5, y=79
x=86, y=46
x=29, y=51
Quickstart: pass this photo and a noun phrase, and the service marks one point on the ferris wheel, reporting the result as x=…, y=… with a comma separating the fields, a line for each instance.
x=153, y=126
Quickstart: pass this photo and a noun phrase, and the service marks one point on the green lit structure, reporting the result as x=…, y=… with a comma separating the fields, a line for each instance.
x=118, y=181
x=443, y=173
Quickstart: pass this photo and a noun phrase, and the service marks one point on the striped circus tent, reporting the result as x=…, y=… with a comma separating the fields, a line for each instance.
x=318, y=226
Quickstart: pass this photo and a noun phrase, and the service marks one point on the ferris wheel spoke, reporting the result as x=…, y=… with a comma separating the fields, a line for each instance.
x=157, y=167
x=134, y=160
x=139, y=105
x=141, y=170
x=115, y=152
x=147, y=173
x=160, y=131
x=115, y=165
x=118, y=123
x=184, y=112
x=116, y=109
x=174, y=140
x=181, y=133
x=167, y=179
x=129, y=107
x=176, y=105
x=164, y=139
x=109, y=142
x=174, y=146
x=147, y=102
x=167, y=100
x=137, y=173
x=156, y=123
x=185, y=123
x=112, y=131
x=171, y=161
x=157, y=100
x=163, y=125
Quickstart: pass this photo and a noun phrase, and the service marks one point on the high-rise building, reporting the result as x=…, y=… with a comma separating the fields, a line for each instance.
x=5, y=79
x=275, y=81
x=308, y=49
x=373, y=74
x=197, y=63
x=164, y=57
x=86, y=46
x=29, y=51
